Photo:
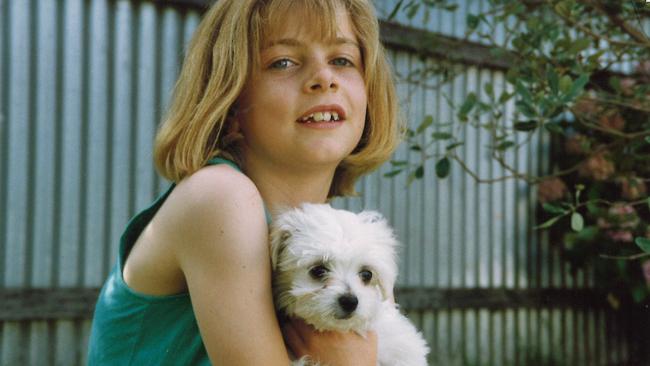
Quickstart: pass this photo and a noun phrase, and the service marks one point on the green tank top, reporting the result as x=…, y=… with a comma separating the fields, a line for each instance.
x=131, y=328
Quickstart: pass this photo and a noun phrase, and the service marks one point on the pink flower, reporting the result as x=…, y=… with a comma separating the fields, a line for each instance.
x=597, y=166
x=551, y=189
x=632, y=187
x=586, y=107
x=623, y=216
x=577, y=144
x=620, y=236
x=603, y=223
x=643, y=67
x=612, y=120
x=627, y=86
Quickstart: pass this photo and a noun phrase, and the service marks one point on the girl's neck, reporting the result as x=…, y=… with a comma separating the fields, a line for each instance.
x=287, y=187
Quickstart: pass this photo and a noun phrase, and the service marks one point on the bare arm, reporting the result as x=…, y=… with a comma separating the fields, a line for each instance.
x=220, y=237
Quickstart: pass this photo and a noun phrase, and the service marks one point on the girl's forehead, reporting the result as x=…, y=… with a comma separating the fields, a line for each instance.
x=318, y=30
x=311, y=22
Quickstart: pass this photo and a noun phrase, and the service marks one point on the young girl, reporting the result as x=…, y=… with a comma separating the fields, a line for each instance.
x=278, y=102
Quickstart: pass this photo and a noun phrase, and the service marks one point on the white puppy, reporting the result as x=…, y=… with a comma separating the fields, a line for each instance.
x=336, y=270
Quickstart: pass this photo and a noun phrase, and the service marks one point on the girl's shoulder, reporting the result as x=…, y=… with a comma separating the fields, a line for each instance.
x=216, y=195
x=212, y=184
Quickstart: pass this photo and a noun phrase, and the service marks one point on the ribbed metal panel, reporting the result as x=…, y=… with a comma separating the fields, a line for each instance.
x=82, y=88
x=83, y=85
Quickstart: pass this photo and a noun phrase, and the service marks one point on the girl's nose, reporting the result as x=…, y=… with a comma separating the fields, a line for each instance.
x=322, y=79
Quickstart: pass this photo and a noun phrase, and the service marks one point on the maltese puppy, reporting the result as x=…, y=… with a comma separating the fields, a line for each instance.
x=336, y=270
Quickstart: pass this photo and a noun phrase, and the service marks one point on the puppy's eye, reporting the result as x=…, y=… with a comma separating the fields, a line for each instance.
x=365, y=275
x=318, y=272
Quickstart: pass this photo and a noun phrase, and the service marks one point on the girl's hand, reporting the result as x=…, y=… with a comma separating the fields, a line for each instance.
x=329, y=347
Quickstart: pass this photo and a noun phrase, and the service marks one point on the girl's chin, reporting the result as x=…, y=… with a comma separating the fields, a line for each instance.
x=324, y=154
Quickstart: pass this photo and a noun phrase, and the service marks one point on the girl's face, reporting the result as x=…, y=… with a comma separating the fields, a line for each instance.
x=306, y=103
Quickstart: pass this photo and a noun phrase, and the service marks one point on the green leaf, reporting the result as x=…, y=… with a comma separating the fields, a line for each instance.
x=505, y=96
x=615, y=82
x=588, y=234
x=554, y=209
x=413, y=10
x=579, y=45
x=416, y=174
x=554, y=128
x=596, y=57
x=525, y=126
x=442, y=167
x=451, y=7
x=442, y=135
x=563, y=8
x=399, y=162
x=470, y=102
x=392, y=173
x=526, y=109
x=454, y=145
x=419, y=172
x=428, y=121
x=472, y=22
x=396, y=9
x=647, y=139
x=592, y=208
x=577, y=87
x=549, y=223
x=488, y=88
x=565, y=83
x=524, y=92
x=639, y=294
x=643, y=243
x=553, y=80
x=577, y=221
x=505, y=145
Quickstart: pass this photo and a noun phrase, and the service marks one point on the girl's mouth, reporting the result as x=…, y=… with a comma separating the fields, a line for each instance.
x=326, y=116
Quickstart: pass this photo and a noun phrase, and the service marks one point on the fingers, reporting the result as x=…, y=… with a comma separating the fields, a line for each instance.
x=300, y=326
x=293, y=338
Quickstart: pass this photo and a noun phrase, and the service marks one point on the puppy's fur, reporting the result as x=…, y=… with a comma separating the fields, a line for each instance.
x=336, y=270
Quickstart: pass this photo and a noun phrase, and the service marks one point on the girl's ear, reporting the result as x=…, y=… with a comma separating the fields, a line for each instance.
x=279, y=241
x=232, y=132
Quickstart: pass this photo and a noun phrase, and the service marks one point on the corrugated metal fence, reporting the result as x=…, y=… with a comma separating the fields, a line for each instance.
x=83, y=85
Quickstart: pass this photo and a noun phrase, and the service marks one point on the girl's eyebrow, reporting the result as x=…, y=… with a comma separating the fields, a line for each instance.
x=292, y=42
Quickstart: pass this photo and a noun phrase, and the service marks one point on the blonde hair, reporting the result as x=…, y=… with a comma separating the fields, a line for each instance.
x=221, y=56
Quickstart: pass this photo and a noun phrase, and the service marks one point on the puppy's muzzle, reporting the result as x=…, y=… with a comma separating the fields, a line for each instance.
x=348, y=303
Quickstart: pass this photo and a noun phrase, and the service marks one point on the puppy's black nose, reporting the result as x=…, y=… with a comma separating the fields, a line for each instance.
x=348, y=303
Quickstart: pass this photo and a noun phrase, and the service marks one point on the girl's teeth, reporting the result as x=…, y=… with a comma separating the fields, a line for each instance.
x=321, y=116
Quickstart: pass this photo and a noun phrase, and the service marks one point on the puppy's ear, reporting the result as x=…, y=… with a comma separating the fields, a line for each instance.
x=371, y=217
x=278, y=244
x=386, y=285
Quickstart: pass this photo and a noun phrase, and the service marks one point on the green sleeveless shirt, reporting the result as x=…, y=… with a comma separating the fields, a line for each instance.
x=131, y=328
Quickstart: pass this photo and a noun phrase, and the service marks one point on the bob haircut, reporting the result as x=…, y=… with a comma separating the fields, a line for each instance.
x=223, y=53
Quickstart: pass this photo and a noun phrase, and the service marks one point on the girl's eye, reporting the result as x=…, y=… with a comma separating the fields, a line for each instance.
x=342, y=61
x=318, y=272
x=281, y=64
